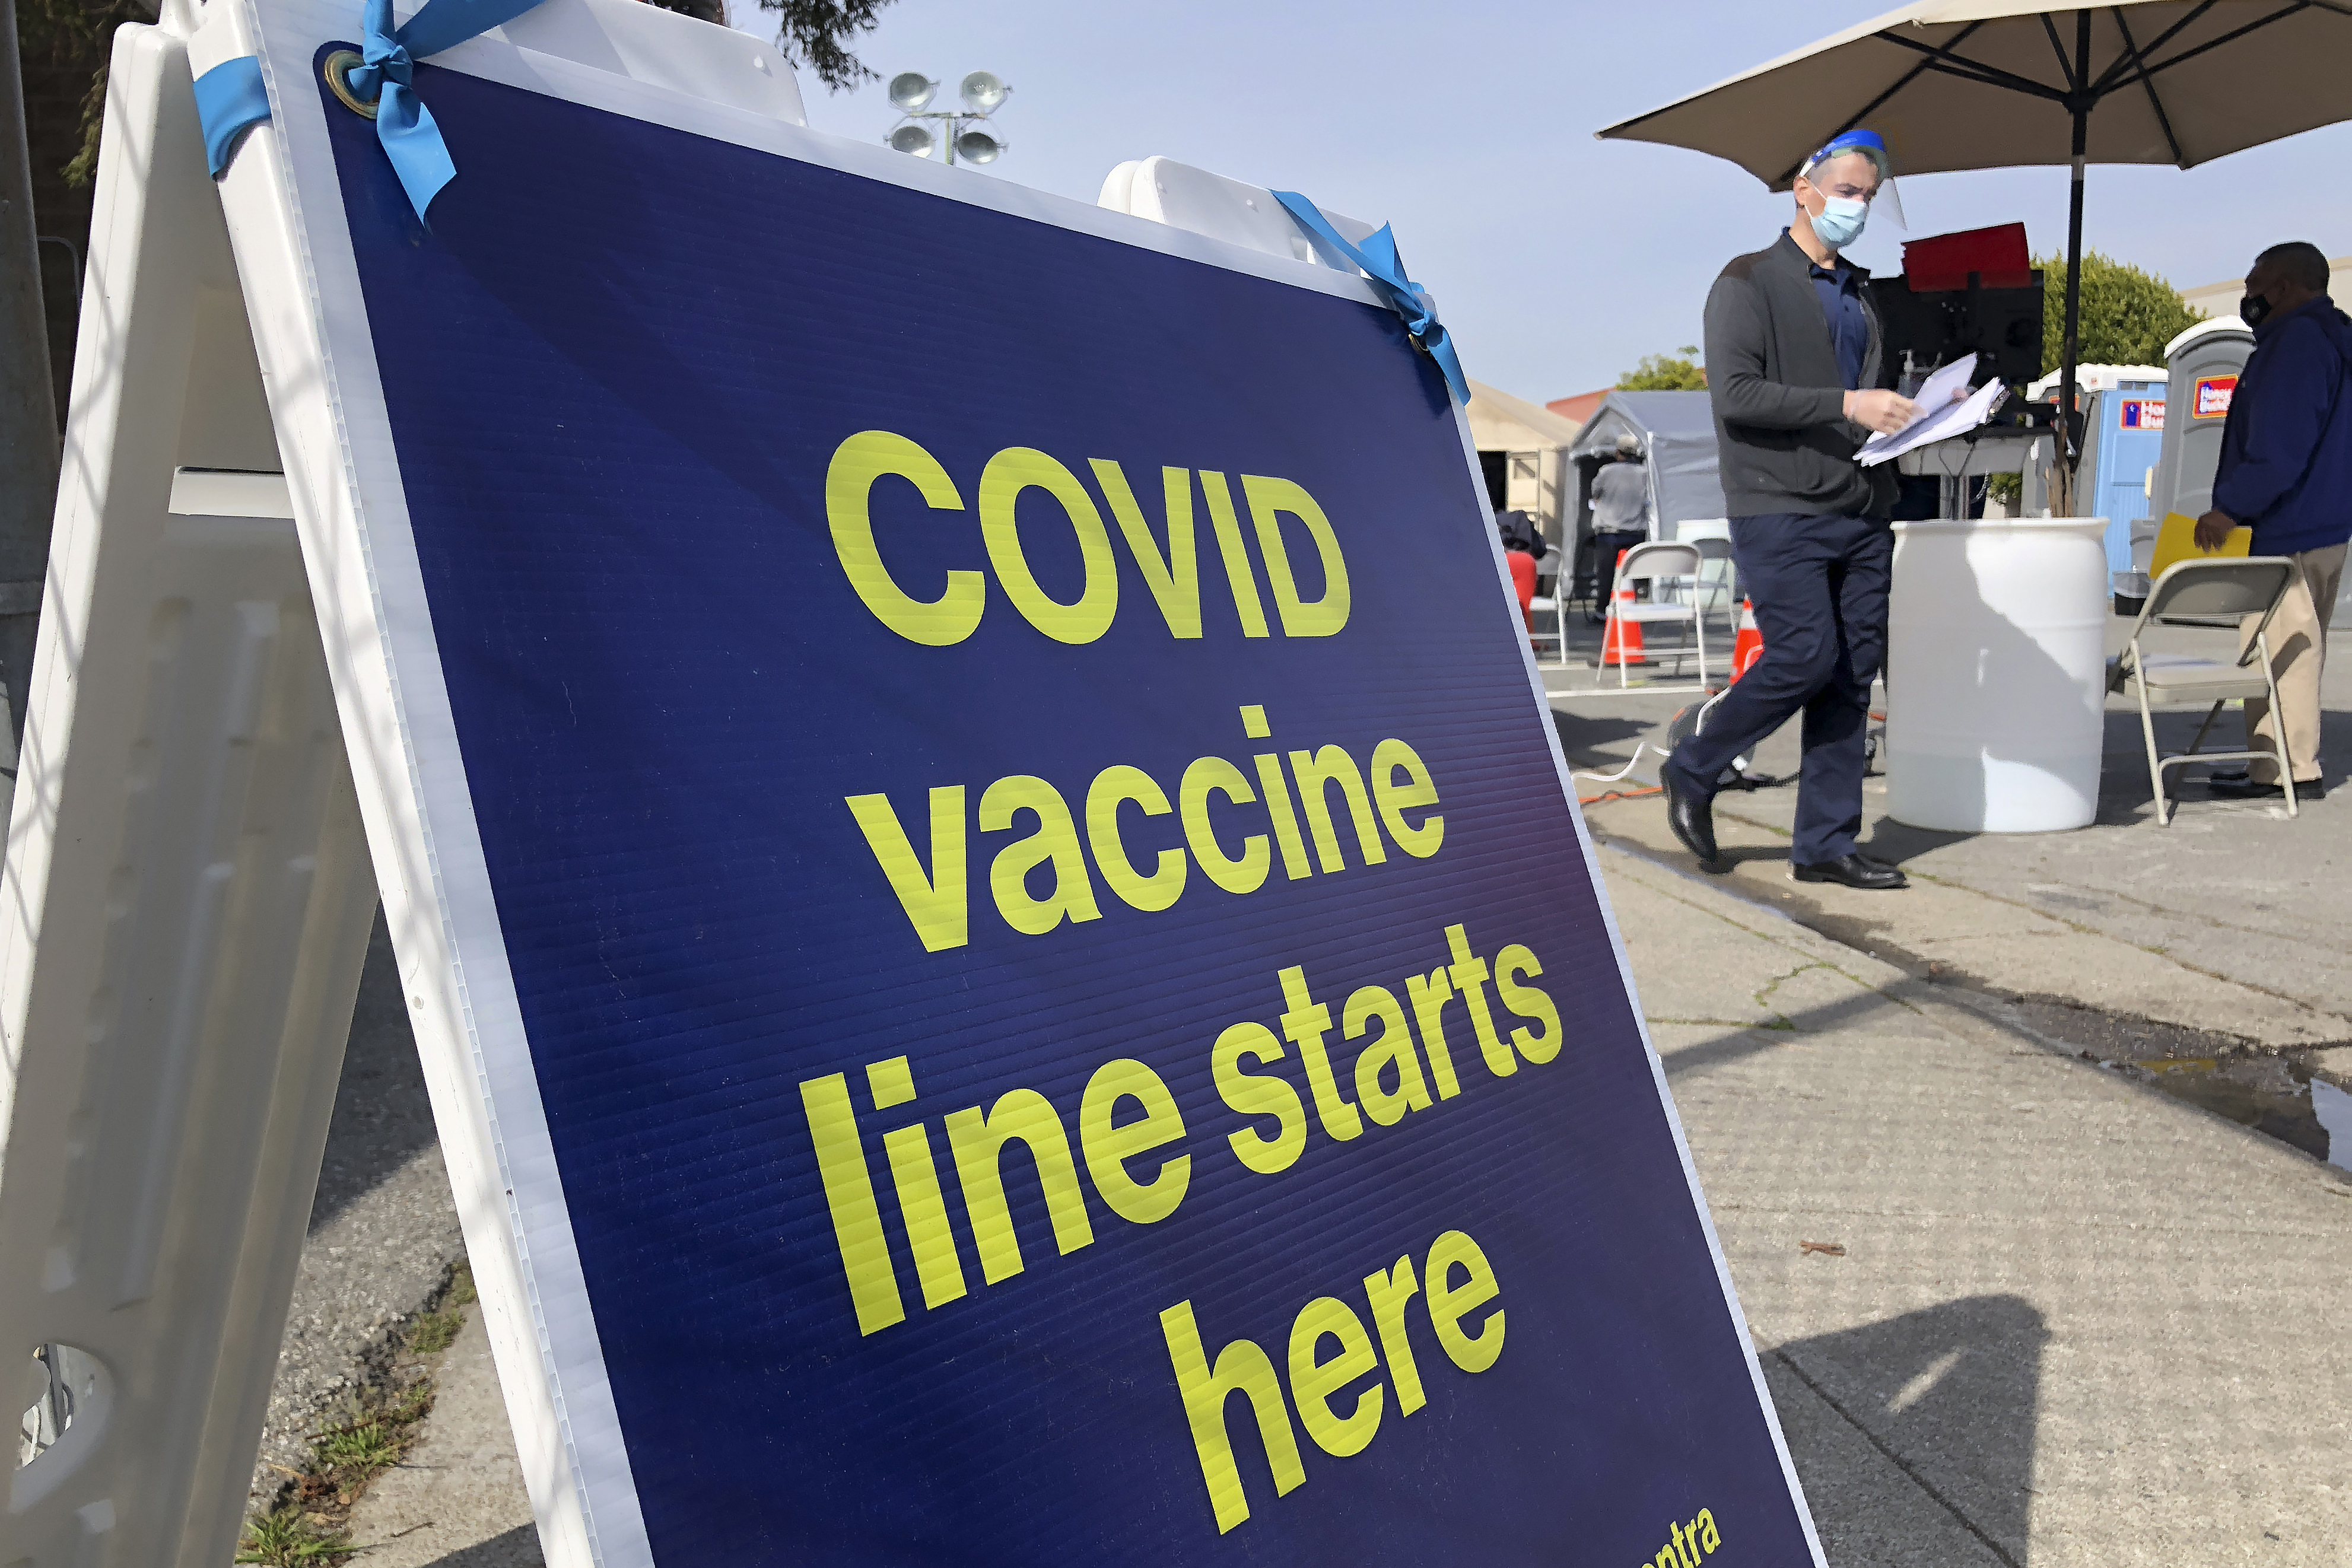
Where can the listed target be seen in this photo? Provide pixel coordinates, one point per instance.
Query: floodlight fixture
(984, 91)
(983, 94)
(912, 90)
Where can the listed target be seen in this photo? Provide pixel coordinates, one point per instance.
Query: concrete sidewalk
(456, 1499)
(2076, 1321)
(2234, 918)
(2214, 956)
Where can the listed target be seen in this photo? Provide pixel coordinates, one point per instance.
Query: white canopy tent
(1676, 432)
(1529, 444)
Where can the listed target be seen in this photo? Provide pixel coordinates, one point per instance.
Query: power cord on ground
(1618, 776)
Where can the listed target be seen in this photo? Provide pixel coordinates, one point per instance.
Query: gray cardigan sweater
(1779, 394)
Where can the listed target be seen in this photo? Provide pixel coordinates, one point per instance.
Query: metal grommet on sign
(339, 66)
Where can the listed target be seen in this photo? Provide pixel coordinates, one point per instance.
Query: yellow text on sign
(1214, 802)
(861, 465)
(1454, 1281)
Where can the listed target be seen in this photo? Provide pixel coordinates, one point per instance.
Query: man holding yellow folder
(2286, 473)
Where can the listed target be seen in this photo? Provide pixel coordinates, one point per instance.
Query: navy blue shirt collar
(1839, 266)
(1839, 287)
(2277, 318)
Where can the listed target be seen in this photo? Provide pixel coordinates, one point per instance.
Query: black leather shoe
(2242, 788)
(1692, 817)
(1853, 871)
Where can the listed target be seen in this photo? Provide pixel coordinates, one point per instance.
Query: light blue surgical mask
(1839, 223)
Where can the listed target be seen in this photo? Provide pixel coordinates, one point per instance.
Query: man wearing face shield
(1796, 370)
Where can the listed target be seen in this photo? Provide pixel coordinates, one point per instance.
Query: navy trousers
(1820, 590)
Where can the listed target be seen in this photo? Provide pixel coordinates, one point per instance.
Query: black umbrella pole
(2070, 353)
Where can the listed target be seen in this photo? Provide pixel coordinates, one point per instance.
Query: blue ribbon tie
(1385, 267)
(230, 101)
(387, 60)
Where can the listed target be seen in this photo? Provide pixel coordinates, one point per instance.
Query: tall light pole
(983, 93)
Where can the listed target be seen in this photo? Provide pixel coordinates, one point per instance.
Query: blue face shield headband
(1840, 222)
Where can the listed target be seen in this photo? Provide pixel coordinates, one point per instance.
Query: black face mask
(2253, 309)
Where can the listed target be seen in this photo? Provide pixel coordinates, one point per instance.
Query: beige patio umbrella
(1978, 84)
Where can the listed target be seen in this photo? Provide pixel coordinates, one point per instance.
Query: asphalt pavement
(383, 1229)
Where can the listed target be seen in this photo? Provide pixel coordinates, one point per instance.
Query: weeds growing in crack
(305, 1524)
(370, 1440)
(288, 1536)
(435, 1332)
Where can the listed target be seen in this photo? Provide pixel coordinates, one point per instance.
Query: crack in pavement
(1911, 1217)
(1635, 849)
(2164, 953)
(1764, 995)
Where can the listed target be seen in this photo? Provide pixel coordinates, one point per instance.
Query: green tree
(73, 36)
(814, 35)
(1678, 371)
(2127, 317)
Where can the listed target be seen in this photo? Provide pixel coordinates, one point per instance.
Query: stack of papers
(1947, 409)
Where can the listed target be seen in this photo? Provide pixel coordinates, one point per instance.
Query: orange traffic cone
(1747, 645)
(1621, 640)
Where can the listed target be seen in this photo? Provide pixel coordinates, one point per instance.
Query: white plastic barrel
(1996, 674)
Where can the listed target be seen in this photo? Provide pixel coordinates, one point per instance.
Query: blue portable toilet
(2123, 438)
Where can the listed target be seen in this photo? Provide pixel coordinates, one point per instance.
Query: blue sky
(1558, 260)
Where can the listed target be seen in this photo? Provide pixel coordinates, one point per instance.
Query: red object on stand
(1998, 255)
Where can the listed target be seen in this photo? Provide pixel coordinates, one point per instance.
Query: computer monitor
(2001, 325)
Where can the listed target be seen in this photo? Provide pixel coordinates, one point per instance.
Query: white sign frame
(281, 197)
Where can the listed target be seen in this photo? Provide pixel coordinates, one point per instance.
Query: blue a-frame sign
(1011, 971)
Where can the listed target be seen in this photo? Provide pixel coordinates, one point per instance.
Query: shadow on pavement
(382, 1115)
(518, 1548)
(1898, 842)
(1740, 855)
(1720, 1051)
(1948, 1394)
(1584, 736)
(2124, 795)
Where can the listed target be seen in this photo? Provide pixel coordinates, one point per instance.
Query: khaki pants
(2298, 640)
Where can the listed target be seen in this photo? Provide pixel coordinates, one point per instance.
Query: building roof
(2221, 299)
(1501, 423)
(1579, 407)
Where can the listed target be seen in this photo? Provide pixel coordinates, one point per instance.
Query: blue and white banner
(1071, 1008)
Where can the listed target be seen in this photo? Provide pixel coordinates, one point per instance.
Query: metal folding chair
(1666, 566)
(1556, 608)
(2213, 596)
(1718, 576)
